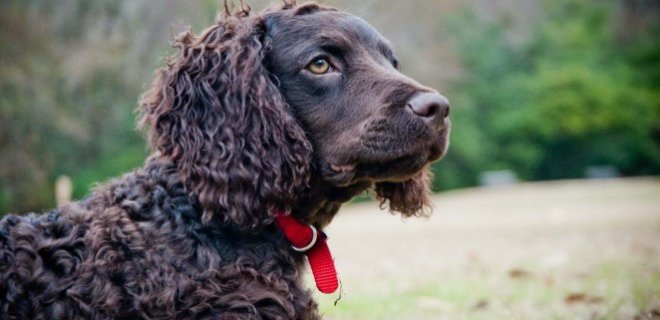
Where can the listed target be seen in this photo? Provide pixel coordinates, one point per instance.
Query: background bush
(570, 95)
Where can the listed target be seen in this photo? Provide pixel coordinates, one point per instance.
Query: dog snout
(431, 107)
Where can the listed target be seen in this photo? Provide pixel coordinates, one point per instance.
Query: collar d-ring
(312, 242)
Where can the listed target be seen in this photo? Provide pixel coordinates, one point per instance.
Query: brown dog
(294, 111)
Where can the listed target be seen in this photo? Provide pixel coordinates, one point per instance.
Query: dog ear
(410, 197)
(215, 112)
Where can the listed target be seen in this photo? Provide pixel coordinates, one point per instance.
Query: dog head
(298, 107)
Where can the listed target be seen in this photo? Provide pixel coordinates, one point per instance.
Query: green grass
(590, 250)
(612, 288)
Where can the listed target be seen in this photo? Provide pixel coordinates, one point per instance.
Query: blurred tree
(567, 98)
(71, 73)
(65, 104)
(26, 66)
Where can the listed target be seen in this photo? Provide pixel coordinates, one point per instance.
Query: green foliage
(71, 76)
(566, 98)
(62, 107)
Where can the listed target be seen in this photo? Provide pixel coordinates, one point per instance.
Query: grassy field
(557, 250)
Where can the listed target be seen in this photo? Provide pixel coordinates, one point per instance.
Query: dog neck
(320, 205)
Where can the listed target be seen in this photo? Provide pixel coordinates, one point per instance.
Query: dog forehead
(326, 25)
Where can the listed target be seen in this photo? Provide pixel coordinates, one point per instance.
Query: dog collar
(306, 239)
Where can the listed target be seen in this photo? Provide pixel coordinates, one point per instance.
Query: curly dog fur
(239, 126)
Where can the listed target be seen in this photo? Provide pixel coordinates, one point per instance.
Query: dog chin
(338, 175)
(390, 170)
(397, 170)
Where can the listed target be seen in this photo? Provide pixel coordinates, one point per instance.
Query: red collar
(306, 239)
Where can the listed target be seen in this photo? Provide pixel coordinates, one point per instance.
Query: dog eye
(319, 66)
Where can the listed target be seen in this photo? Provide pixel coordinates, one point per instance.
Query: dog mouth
(367, 163)
(342, 168)
(393, 170)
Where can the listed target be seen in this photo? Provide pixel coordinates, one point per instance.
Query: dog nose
(432, 107)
